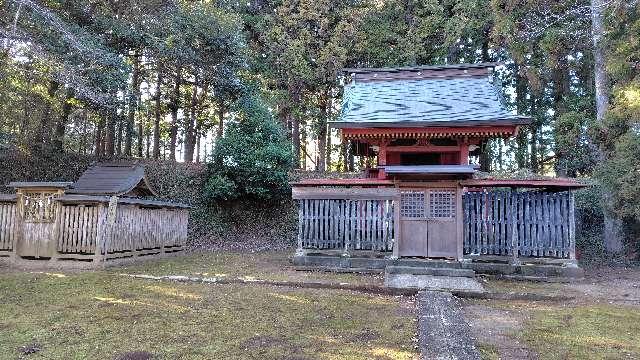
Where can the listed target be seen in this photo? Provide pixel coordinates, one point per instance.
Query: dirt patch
(613, 285)
(29, 349)
(498, 328)
(365, 336)
(135, 355)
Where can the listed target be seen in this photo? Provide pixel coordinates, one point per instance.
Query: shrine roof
(448, 95)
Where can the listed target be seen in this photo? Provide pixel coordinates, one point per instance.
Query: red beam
(428, 132)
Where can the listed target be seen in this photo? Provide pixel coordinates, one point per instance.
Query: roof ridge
(424, 67)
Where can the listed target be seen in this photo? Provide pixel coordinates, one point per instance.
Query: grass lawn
(101, 315)
(596, 331)
(270, 265)
(553, 330)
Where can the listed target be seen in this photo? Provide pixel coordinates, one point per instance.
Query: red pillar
(382, 159)
(464, 153)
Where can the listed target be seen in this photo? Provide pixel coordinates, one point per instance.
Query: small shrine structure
(419, 204)
(101, 219)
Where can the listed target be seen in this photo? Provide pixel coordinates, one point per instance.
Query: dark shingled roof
(113, 179)
(460, 95)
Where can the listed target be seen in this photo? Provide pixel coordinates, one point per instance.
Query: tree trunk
(99, 140)
(485, 156)
(302, 143)
(329, 152)
(110, 136)
(560, 78)
(613, 232)
(119, 138)
(295, 89)
(198, 138)
(220, 111)
(134, 95)
(58, 140)
(521, 107)
(41, 136)
(350, 160)
(533, 156)
(157, 116)
(189, 133)
(322, 132)
(534, 149)
(600, 72)
(174, 106)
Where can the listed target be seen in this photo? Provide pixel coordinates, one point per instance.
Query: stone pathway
(442, 330)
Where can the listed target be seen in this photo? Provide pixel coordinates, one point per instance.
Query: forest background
(247, 88)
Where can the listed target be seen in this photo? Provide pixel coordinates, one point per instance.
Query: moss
(103, 315)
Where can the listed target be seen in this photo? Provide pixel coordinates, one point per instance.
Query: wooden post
(349, 214)
(101, 234)
(572, 227)
(515, 248)
(299, 250)
(396, 227)
(459, 225)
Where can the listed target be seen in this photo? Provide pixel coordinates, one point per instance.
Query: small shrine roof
(448, 95)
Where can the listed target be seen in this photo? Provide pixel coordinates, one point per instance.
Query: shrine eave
(429, 132)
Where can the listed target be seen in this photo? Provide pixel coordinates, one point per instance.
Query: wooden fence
(78, 228)
(346, 224)
(145, 231)
(7, 226)
(531, 224)
(94, 229)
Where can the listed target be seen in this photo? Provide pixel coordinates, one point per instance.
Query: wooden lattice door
(428, 222)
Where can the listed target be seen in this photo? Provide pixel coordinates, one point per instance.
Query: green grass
(488, 351)
(262, 265)
(542, 288)
(586, 330)
(100, 315)
(597, 331)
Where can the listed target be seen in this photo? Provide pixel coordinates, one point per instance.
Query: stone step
(435, 271)
(429, 263)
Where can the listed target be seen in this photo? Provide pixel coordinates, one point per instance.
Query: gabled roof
(447, 95)
(113, 179)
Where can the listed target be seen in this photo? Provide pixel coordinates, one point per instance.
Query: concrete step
(434, 271)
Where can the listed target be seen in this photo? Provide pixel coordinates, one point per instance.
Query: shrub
(253, 158)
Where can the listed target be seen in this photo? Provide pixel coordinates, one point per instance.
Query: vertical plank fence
(7, 225)
(346, 224)
(528, 224)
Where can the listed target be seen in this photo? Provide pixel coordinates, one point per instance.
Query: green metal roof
(436, 101)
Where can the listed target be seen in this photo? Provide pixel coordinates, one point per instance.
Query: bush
(253, 158)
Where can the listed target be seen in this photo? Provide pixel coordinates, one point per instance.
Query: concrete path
(442, 330)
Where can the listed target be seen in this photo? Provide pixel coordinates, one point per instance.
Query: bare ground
(496, 327)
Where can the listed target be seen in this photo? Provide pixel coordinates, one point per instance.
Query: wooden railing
(519, 224)
(7, 225)
(346, 220)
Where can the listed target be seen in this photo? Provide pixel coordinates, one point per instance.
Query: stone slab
(443, 333)
(408, 281)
